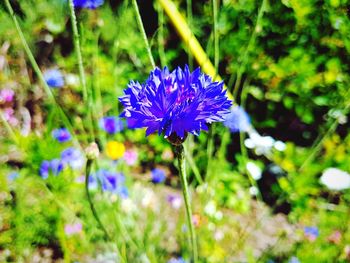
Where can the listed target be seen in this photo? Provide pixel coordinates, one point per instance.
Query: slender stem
(143, 32)
(9, 128)
(249, 47)
(216, 37)
(210, 150)
(186, 195)
(193, 165)
(189, 22)
(161, 51)
(38, 72)
(78, 49)
(92, 207)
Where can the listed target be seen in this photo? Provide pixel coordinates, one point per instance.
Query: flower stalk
(186, 195)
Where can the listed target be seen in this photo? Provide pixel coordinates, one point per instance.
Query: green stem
(249, 47)
(143, 32)
(161, 50)
(92, 207)
(193, 165)
(9, 128)
(186, 195)
(37, 71)
(77, 47)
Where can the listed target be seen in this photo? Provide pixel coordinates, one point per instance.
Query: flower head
(311, 232)
(71, 229)
(237, 120)
(115, 150)
(54, 166)
(54, 78)
(111, 124)
(61, 134)
(175, 103)
(112, 182)
(158, 176)
(335, 179)
(73, 157)
(6, 95)
(130, 156)
(91, 4)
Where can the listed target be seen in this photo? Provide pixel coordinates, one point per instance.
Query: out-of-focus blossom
(111, 124)
(175, 103)
(210, 208)
(158, 176)
(61, 134)
(237, 120)
(128, 205)
(335, 179)
(9, 115)
(130, 156)
(73, 157)
(92, 152)
(115, 150)
(196, 220)
(54, 166)
(174, 200)
(335, 237)
(71, 229)
(91, 4)
(12, 176)
(72, 80)
(263, 145)
(54, 78)
(167, 155)
(219, 235)
(112, 182)
(176, 260)
(311, 233)
(6, 95)
(149, 199)
(294, 259)
(253, 190)
(254, 170)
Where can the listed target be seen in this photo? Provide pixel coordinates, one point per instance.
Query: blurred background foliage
(289, 69)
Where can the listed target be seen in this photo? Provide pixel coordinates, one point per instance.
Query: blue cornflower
(175, 103)
(54, 166)
(176, 260)
(12, 176)
(61, 134)
(158, 176)
(91, 4)
(111, 124)
(54, 78)
(237, 120)
(311, 232)
(112, 182)
(73, 157)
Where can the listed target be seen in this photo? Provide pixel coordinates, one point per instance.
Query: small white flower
(210, 208)
(279, 146)
(335, 179)
(253, 191)
(219, 235)
(261, 144)
(254, 170)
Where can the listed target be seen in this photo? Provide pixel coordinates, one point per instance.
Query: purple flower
(54, 166)
(111, 124)
(175, 103)
(311, 232)
(237, 120)
(73, 157)
(61, 134)
(6, 95)
(54, 78)
(12, 176)
(91, 4)
(71, 229)
(158, 176)
(176, 260)
(112, 182)
(130, 157)
(174, 200)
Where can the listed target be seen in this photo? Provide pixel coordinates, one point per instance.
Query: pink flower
(9, 116)
(71, 229)
(6, 95)
(130, 156)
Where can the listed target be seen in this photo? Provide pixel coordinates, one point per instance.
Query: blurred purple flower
(175, 103)
(61, 134)
(12, 176)
(54, 166)
(174, 200)
(158, 176)
(237, 120)
(54, 78)
(9, 115)
(6, 95)
(112, 182)
(91, 4)
(73, 157)
(71, 229)
(130, 156)
(111, 124)
(176, 260)
(311, 232)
